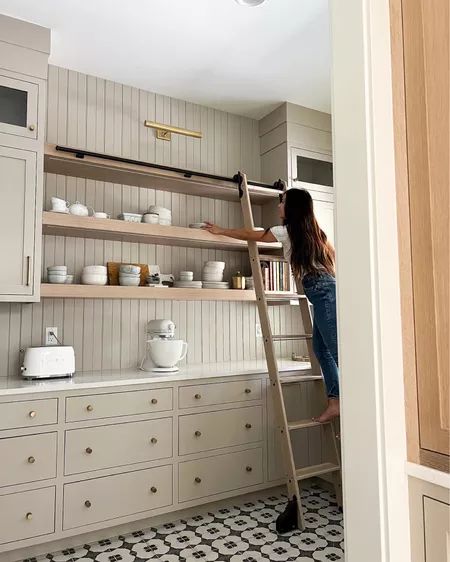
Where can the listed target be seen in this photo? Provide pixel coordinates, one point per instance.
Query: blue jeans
(321, 292)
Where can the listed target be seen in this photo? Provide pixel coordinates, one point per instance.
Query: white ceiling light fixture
(250, 3)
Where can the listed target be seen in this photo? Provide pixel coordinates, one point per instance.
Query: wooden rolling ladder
(293, 513)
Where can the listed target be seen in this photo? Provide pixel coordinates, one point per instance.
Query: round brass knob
(197, 433)
(32, 414)
(248, 425)
(197, 480)
(88, 450)
(154, 401)
(29, 516)
(87, 503)
(248, 390)
(197, 396)
(89, 407)
(153, 490)
(32, 127)
(248, 468)
(31, 460)
(153, 440)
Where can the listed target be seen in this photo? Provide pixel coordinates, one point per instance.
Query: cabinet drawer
(29, 413)
(28, 458)
(107, 446)
(93, 407)
(219, 393)
(215, 430)
(27, 514)
(116, 496)
(215, 475)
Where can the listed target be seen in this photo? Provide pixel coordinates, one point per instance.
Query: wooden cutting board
(113, 272)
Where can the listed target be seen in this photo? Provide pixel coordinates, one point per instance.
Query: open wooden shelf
(60, 224)
(62, 291)
(114, 171)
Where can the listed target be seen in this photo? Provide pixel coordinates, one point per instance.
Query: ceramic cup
(167, 353)
(59, 205)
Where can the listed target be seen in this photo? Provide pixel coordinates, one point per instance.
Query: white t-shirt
(281, 234)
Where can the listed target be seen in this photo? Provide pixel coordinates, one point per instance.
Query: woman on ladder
(312, 258)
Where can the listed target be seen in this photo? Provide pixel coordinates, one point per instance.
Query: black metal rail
(79, 153)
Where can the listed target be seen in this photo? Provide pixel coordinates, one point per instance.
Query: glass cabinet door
(312, 170)
(18, 107)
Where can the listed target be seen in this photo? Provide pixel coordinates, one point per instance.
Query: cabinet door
(324, 211)
(426, 56)
(312, 170)
(18, 107)
(437, 530)
(17, 202)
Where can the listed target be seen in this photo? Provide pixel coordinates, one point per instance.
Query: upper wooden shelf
(112, 169)
(116, 292)
(60, 224)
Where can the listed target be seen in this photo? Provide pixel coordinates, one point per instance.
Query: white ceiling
(212, 52)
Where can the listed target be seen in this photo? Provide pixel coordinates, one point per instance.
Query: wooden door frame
(374, 449)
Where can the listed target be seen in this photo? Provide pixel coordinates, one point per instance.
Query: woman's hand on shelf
(213, 228)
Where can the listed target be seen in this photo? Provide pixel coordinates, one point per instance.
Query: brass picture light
(164, 132)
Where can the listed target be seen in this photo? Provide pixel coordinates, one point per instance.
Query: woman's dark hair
(310, 250)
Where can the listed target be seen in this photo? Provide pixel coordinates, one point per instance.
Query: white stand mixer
(163, 350)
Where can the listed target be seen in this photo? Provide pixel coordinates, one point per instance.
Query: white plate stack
(164, 215)
(57, 274)
(212, 275)
(129, 275)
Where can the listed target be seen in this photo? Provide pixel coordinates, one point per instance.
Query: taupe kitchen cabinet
(24, 52)
(17, 230)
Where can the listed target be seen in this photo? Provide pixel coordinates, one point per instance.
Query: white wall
(91, 113)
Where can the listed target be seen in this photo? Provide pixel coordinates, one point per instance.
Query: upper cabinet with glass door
(18, 107)
(312, 170)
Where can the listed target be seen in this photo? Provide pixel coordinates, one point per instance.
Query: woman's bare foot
(331, 412)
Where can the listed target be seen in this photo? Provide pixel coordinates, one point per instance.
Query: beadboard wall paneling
(91, 113)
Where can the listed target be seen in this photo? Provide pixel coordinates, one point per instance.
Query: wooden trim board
(65, 163)
(59, 224)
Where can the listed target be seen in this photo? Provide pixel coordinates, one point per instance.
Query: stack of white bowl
(129, 275)
(57, 274)
(94, 275)
(186, 281)
(212, 275)
(164, 215)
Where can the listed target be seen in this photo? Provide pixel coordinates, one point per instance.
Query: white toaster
(48, 362)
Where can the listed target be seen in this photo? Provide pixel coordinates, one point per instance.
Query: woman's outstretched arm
(241, 233)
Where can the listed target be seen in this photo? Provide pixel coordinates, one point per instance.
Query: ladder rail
(272, 365)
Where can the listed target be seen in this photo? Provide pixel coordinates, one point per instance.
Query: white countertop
(108, 378)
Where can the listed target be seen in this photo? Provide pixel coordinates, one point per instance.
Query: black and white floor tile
(243, 533)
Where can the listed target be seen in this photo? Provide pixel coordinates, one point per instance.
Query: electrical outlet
(258, 331)
(50, 336)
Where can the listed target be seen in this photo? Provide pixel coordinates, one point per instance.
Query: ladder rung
(291, 337)
(303, 424)
(294, 379)
(316, 470)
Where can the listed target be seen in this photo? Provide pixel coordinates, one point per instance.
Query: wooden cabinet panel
(18, 107)
(97, 406)
(216, 430)
(223, 473)
(437, 530)
(102, 499)
(28, 413)
(28, 458)
(426, 58)
(17, 201)
(27, 514)
(94, 448)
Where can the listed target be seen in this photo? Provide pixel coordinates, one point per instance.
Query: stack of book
(277, 276)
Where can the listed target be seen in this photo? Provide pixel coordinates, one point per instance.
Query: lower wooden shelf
(62, 291)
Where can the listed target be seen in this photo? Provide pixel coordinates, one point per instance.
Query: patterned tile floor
(243, 533)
